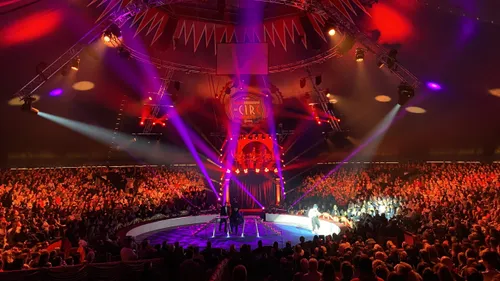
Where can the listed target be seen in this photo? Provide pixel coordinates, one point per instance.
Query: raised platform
(197, 230)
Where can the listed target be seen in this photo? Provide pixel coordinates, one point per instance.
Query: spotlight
(331, 32)
(391, 58)
(405, 93)
(266, 170)
(257, 170)
(163, 124)
(328, 94)
(106, 38)
(245, 171)
(154, 123)
(318, 80)
(263, 208)
(27, 106)
(228, 171)
(113, 30)
(237, 171)
(275, 170)
(75, 64)
(302, 82)
(150, 98)
(360, 54)
(142, 123)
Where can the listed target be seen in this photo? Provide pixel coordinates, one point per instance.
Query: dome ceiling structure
(460, 119)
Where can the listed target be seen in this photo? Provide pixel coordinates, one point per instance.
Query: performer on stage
(224, 212)
(313, 214)
(236, 218)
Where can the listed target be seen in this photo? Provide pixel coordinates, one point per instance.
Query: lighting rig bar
(165, 82)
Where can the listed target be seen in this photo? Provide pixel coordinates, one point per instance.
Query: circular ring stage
(197, 230)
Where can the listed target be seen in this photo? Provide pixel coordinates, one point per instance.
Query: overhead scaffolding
(165, 82)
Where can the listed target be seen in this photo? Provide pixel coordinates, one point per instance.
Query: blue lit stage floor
(184, 235)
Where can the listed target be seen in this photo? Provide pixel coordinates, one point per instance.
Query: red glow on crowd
(31, 27)
(393, 26)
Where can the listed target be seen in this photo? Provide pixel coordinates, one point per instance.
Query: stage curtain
(261, 186)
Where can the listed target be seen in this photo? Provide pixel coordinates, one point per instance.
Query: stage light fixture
(391, 58)
(302, 82)
(257, 170)
(328, 94)
(154, 123)
(275, 170)
(237, 171)
(318, 79)
(405, 93)
(163, 124)
(266, 170)
(360, 54)
(228, 171)
(142, 123)
(27, 105)
(331, 32)
(75, 64)
(150, 98)
(245, 171)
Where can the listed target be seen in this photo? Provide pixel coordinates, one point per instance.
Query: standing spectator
(313, 274)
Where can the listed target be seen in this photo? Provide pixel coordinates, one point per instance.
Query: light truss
(326, 8)
(323, 102)
(165, 82)
(92, 35)
(118, 17)
(343, 24)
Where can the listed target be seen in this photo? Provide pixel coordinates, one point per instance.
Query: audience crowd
(86, 207)
(452, 211)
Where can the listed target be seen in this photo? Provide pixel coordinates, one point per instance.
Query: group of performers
(235, 217)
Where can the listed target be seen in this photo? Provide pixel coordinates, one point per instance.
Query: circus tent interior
(125, 81)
